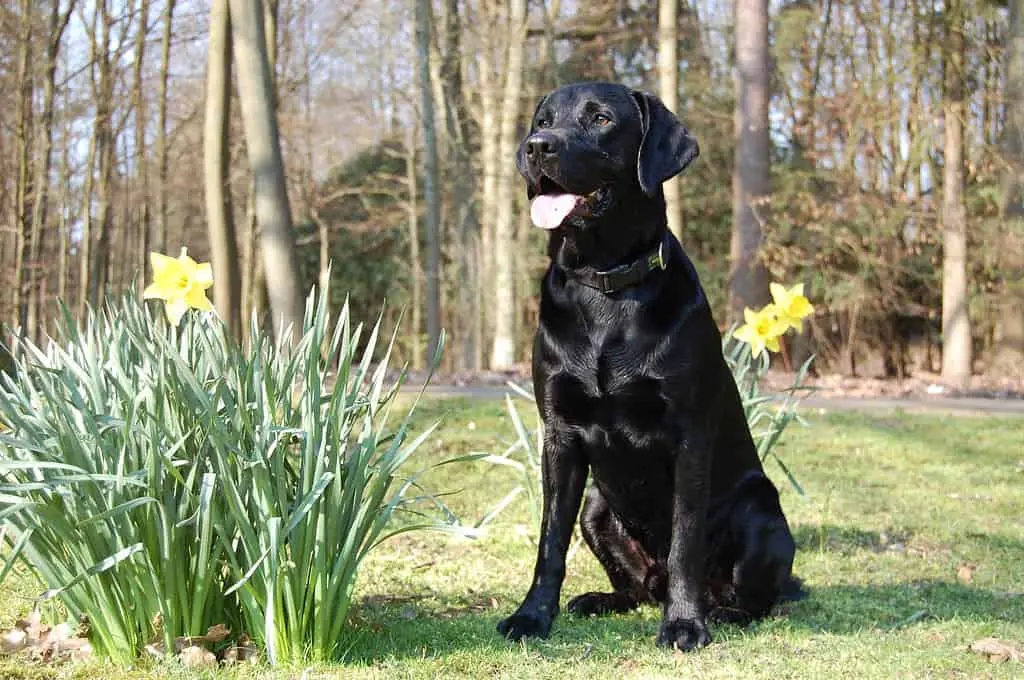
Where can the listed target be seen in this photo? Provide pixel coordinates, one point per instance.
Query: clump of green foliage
(163, 480)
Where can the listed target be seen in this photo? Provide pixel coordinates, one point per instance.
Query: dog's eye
(602, 120)
(543, 123)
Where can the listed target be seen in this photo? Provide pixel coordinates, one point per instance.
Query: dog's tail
(792, 590)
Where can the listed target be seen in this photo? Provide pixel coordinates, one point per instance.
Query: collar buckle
(657, 260)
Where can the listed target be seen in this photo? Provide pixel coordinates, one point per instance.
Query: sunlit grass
(896, 504)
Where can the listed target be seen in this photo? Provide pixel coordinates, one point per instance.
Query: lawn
(911, 544)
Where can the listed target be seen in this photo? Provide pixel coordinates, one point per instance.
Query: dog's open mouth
(553, 204)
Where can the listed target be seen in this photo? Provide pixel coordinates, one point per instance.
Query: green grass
(897, 503)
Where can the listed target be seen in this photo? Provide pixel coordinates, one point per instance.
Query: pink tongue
(550, 210)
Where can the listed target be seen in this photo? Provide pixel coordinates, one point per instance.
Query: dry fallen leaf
(996, 650)
(195, 656)
(181, 642)
(244, 651)
(78, 648)
(32, 626)
(965, 573)
(217, 633)
(13, 641)
(43, 642)
(155, 650)
(59, 633)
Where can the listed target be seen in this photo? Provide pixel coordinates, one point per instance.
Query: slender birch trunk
(220, 223)
(503, 354)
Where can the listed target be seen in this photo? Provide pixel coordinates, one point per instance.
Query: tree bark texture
(1008, 353)
(141, 152)
(161, 128)
(748, 278)
(956, 325)
(503, 347)
(463, 187)
(220, 223)
(431, 195)
(263, 144)
(668, 90)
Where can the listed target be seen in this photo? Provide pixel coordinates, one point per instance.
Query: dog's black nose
(541, 145)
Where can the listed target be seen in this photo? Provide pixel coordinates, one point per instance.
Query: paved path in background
(953, 405)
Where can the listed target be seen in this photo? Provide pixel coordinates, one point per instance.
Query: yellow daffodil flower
(791, 305)
(181, 283)
(761, 330)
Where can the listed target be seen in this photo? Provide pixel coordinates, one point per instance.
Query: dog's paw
(683, 634)
(525, 624)
(733, 615)
(599, 604)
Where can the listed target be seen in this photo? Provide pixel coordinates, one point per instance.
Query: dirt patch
(922, 385)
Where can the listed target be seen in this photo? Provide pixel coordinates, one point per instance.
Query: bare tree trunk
(748, 279)
(254, 299)
(105, 154)
(220, 224)
(55, 31)
(254, 280)
(489, 122)
(58, 22)
(435, 61)
(161, 130)
(464, 186)
(549, 60)
(85, 245)
(63, 237)
(1008, 353)
(414, 248)
(270, 13)
(141, 155)
(956, 325)
(668, 90)
(309, 194)
(503, 349)
(430, 176)
(277, 238)
(19, 219)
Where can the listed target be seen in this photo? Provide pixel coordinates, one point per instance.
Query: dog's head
(597, 149)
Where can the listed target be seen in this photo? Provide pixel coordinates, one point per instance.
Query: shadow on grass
(403, 630)
(839, 539)
(849, 609)
(428, 627)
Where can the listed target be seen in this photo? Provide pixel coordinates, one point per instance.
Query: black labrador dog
(631, 384)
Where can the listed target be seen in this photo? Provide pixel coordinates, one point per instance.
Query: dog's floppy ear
(521, 151)
(667, 146)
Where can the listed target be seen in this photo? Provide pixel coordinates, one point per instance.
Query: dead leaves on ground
(194, 651)
(51, 644)
(997, 650)
(46, 643)
(965, 573)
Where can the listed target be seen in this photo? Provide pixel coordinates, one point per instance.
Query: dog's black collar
(625, 275)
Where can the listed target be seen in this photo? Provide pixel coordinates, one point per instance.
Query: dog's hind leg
(763, 551)
(630, 569)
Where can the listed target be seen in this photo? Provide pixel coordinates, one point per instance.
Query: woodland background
(871, 149)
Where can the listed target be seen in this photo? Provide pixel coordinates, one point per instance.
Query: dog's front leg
(564, 474)
(683, 623)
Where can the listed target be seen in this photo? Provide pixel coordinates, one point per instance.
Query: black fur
(633, 389)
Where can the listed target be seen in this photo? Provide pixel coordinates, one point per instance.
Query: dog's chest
(607, 386)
